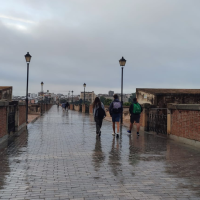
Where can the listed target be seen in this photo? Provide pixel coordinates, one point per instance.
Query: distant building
(110, 93)
(125, 98)
(104, 95)
(89, 96)
(33, 95)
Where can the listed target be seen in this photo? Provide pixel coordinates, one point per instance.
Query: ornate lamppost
(84, 85)
(28, 60)
(69, 95)
(42, 101)
(122, 63)
(42, 88)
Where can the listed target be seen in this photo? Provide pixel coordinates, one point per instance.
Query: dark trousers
(98, 124)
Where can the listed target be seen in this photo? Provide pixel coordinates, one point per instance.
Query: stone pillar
(145, 116)
(169, 120)
(71, 106)
(83, 108)
(91, 110)
(17, 117)
(76, 107)
(3, 120)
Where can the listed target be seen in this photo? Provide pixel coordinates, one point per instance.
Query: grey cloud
(74, 42)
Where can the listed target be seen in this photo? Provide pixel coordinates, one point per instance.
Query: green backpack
(136, 108)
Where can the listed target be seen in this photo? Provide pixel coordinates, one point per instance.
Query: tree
(132, 97)
(127, 104)
(108, 102)
(102, 99)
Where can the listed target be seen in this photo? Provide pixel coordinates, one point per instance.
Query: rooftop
(5, 87)
(168, 91)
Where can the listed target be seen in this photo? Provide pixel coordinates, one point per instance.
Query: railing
(87, 107)
(157, 120)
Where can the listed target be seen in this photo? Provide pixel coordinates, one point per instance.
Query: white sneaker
(113, 134)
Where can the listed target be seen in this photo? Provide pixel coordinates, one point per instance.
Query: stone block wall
(71, 107)
(3, 121)
(22, 114)
(91, 110)
(34, 109)
(186, 124)
(83, 108)
(76, 107)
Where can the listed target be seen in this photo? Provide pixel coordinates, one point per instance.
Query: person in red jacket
(135, 111)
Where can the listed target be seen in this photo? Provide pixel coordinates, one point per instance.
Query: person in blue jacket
(115, 111)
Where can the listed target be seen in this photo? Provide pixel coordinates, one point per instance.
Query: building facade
(161, 97)
(89, 96)
(110, 93)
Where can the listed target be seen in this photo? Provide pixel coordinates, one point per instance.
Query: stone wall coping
(21, 103)
(34, 105)
(183, 106)
(4, 103)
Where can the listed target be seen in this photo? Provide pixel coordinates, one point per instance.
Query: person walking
(66, 105)
(135, 111)
(99, 113)
(115, 111)
(63, 106)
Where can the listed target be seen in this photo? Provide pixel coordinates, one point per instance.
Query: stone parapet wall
(22, 114)
(37, 109)
(186, 124)
(34, 109)
(71, 107)
(83, 108)
(3, 121)
(184, 121)
(76, 107)
(91, 110)
(19, 108)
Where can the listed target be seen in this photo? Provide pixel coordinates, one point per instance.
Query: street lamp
(84, 85)
(122, 63)
(42, 101)
(42, 88)
(28, 60)
(69, 95)
(72, 96)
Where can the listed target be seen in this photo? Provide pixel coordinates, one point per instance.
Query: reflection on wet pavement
(60, 157)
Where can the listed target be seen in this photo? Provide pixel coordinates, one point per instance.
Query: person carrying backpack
(115, 111)
(66, 106)
(63, 106)
(99, 113)
(135, 111)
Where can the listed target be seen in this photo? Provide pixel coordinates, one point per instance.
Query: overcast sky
(81, 41)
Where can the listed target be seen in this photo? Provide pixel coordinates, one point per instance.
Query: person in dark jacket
(135, 110)
(97, 105)
(66, 106)
(115, 110)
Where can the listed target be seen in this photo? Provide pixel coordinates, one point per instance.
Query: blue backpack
(116, 107)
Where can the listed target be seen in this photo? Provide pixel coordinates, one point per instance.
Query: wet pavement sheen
(60, 157)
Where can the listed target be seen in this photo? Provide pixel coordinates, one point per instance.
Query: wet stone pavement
(59, 157)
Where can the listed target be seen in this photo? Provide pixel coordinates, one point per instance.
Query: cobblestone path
(59, 157)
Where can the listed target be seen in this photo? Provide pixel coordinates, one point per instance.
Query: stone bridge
(60, 157)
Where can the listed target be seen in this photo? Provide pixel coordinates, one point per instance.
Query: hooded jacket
(96, 107)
